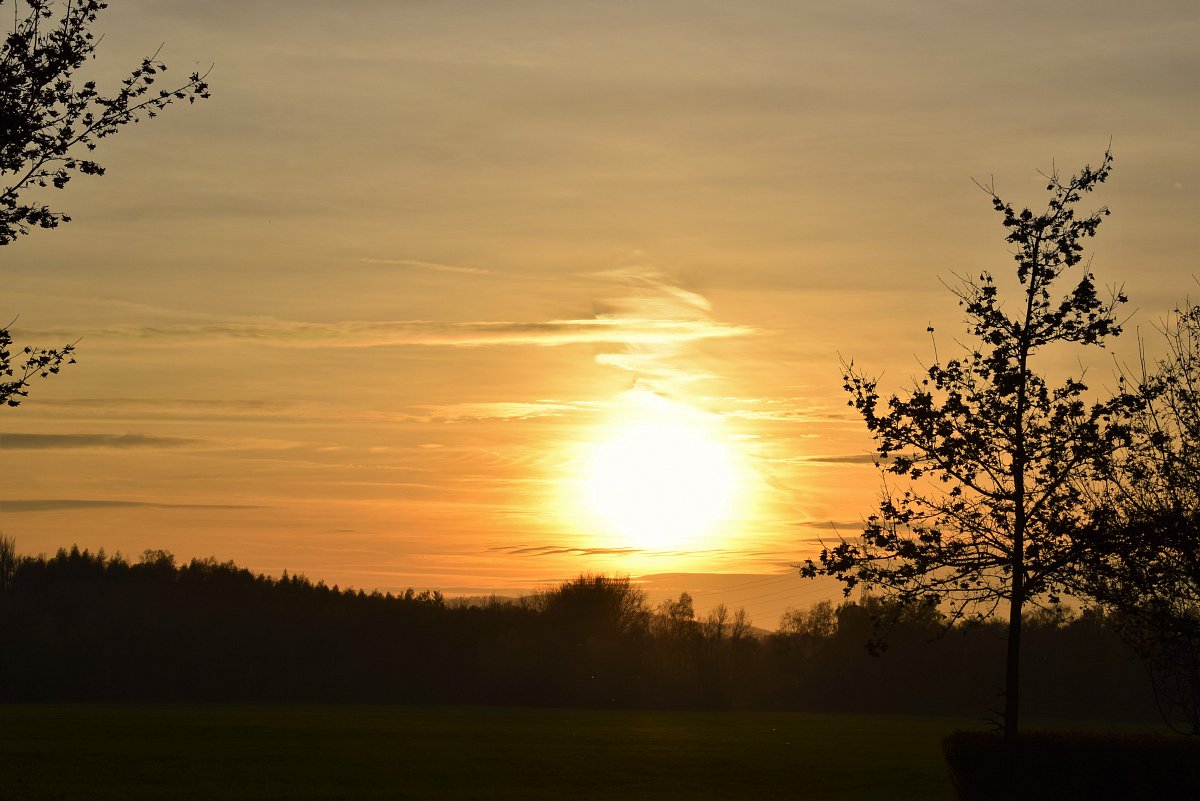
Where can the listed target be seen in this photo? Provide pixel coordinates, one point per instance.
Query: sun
(661, 477)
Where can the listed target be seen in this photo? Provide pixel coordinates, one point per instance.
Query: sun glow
(662, 477)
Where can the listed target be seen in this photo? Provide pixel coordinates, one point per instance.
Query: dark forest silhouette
(82, 626)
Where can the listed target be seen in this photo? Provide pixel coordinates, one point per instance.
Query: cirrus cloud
(32, 442)
(603, 329)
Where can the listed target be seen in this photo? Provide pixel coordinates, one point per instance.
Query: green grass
(371, 752)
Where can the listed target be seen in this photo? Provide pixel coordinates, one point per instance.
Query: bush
(1072, 765)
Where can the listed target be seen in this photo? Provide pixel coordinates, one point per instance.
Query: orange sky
(363, 313)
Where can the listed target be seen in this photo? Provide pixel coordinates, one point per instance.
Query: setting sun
(661, 478)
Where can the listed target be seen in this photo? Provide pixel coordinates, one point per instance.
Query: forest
(87, 627)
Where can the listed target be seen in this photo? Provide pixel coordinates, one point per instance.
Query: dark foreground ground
(370, 752)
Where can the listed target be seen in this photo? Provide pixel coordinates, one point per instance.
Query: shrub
(1072, 765)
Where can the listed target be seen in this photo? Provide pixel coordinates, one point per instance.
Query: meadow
(388, 752)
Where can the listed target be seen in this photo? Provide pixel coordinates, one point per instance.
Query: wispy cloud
(130, 412)
(200, 409)
(427, 265)
(784, 410)
(848, 458)
(831, 525)
(61, 504)
(507, 410)
(70, 441)
(144, 405)
(604, 329)
(650, 297)
(558, 550)
(778, 415)
(568, 550)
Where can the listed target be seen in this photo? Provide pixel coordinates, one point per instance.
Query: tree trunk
(1012, 673)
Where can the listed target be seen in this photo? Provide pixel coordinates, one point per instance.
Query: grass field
(370, 752)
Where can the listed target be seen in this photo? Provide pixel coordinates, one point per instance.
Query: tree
(1151, 579)
(676, 619)
(594, 602)
(8, 561)
(818, 622)
(988, 456)
(715, 624)
(50, 123)
(740, 628)
(15, 374)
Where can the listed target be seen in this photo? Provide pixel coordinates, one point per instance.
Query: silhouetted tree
(50, 122)
(596, 602)
(987, 453)
(818, 622)
(740, 628)
(676, 619)
(16, 372)
(8, 561)
(715, 625)
(591, 627)
(1152, 578)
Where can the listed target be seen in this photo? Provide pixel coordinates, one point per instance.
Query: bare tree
(715, 624)
(739, 629)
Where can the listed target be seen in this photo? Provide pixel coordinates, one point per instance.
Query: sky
(376, 310)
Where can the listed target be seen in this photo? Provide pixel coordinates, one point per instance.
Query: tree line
(82, 626)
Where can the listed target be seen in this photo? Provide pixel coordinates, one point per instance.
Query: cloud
(193, 409)
(649, 297)
(64, 441)
(848, 458)
(771, 415)
(144, 405)
(61, 504)
(841, 458)
(603, 329)
(507, 410)
(568, 550)
(785, 410)
(428, 265)
(139, 410)
(558, 550)
(653, 289)
(832, 525)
